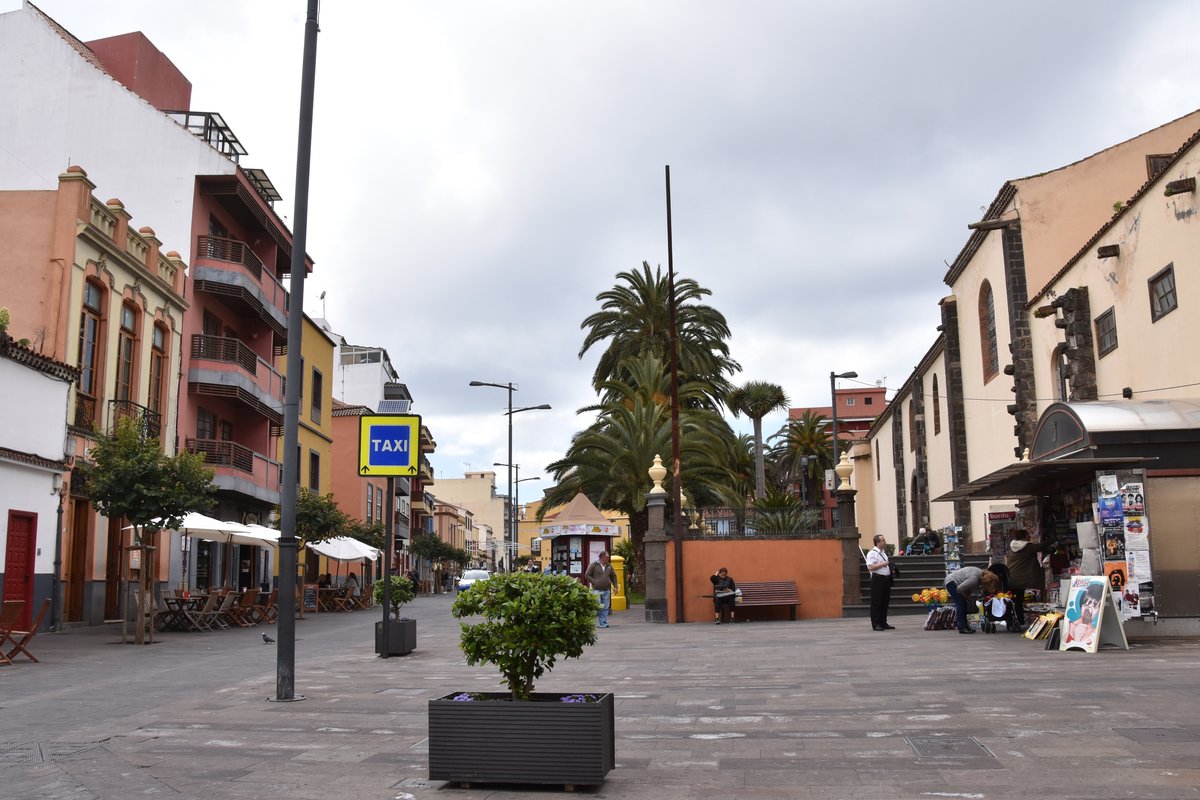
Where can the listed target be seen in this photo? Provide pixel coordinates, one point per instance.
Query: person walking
(963, 584)
(881, 584)
(1025, 570)
(601, 576)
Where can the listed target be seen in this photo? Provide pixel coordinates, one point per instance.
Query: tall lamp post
(833, 376)
(515, 504)
(508, 520)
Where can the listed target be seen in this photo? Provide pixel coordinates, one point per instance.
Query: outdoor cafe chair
(10, 618)
(22, 646)
(204, 617)
(229, 601)
(240, 612)
(265, 612)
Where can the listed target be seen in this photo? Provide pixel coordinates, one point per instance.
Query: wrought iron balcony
(149, 423)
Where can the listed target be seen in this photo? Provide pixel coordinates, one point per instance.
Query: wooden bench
(769, 593)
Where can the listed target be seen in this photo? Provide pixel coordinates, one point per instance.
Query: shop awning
(1037, 478)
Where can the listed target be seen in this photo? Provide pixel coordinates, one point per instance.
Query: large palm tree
(756, 399)
(802, 453)
(634, 320)
(608, 461)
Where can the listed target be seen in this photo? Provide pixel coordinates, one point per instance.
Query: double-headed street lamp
(515, 503)
(509, 531)
(833, 376)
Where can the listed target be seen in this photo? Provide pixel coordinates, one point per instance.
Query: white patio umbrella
(345, 548)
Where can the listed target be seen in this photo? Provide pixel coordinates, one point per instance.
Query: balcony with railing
(239, 469)
(147, 422)
(229, 269)
(85, 413)
(222, 366)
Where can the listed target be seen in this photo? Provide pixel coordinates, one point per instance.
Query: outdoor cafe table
(179, 606)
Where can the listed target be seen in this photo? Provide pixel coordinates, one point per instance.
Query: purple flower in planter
(465, 697)
(578, 698)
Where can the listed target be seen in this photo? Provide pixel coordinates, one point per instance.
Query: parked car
(470, 576)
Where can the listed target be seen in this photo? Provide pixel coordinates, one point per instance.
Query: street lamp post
(508, 519)
(804, 482)
(833, 376)
(515, 503)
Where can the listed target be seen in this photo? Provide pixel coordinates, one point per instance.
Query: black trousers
(881, 598)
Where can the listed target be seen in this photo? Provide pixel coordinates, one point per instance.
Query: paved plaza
(808, 709)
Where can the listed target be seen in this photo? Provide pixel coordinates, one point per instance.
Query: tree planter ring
(542, 741)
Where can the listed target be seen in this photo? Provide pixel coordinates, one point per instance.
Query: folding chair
(26, 637)
(10, 618)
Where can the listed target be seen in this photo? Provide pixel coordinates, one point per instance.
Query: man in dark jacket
(1025, 570)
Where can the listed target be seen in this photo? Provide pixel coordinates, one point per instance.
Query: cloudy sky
(481, 170)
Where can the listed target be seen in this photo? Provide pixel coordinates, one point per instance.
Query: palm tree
(635, 320)
(803, 454)
(608, 461)
(756, 399)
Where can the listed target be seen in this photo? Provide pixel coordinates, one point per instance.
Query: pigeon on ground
(268, 639)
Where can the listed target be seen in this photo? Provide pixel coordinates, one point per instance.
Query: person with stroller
(1025, 570)
(963, 584)
(724, 595)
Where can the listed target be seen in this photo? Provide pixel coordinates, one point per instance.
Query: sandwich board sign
(1091, 617)
(389, 445)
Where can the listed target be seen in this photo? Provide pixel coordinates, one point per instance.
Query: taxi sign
(389, 445)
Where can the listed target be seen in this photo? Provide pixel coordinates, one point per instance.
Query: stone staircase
(916, 573)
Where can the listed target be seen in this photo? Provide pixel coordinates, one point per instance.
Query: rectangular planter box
(544, 740)
(402, 637)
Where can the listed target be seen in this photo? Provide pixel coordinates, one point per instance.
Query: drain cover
(947, 746)
(39, 752)
(418, 783)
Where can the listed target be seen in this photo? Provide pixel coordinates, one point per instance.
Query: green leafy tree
(757, 399)
(318, 517)
(130, 478)
(634, 320)
(400, 592)
(529, 621)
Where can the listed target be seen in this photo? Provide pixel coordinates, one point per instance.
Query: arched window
(937, 408)
(987, 333)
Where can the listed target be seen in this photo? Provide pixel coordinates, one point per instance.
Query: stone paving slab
(803, 710)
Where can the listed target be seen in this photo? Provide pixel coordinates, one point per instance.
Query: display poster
(1091, 617)
(595, 548)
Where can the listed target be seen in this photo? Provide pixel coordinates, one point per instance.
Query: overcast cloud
(481, 170)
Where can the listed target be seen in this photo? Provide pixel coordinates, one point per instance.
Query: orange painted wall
(815, 565)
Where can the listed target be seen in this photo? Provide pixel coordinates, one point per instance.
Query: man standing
(881, 584)
(600, 576)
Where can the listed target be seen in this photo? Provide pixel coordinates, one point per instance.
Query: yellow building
(315, 434)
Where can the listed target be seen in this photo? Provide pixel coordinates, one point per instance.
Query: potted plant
(522, 736)
(402, 631)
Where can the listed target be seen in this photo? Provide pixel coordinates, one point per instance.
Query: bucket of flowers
(940, 617)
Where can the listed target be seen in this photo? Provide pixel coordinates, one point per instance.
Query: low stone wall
(813, 560)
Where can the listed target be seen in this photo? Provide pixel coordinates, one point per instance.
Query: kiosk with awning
(576, 535)
(1140, 462)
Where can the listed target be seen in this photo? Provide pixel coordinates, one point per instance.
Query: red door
(18, 560)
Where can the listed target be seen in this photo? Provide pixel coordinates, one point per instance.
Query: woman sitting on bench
(724, 595)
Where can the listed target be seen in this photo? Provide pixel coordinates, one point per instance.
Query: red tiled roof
(8, 454)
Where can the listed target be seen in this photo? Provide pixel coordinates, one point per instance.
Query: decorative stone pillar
(655, 546)
(848, 533)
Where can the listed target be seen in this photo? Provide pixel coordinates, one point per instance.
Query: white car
(470, 576)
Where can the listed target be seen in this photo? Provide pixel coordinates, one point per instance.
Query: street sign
(389, 445)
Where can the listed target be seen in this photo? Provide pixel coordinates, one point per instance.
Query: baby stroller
(999, 609)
